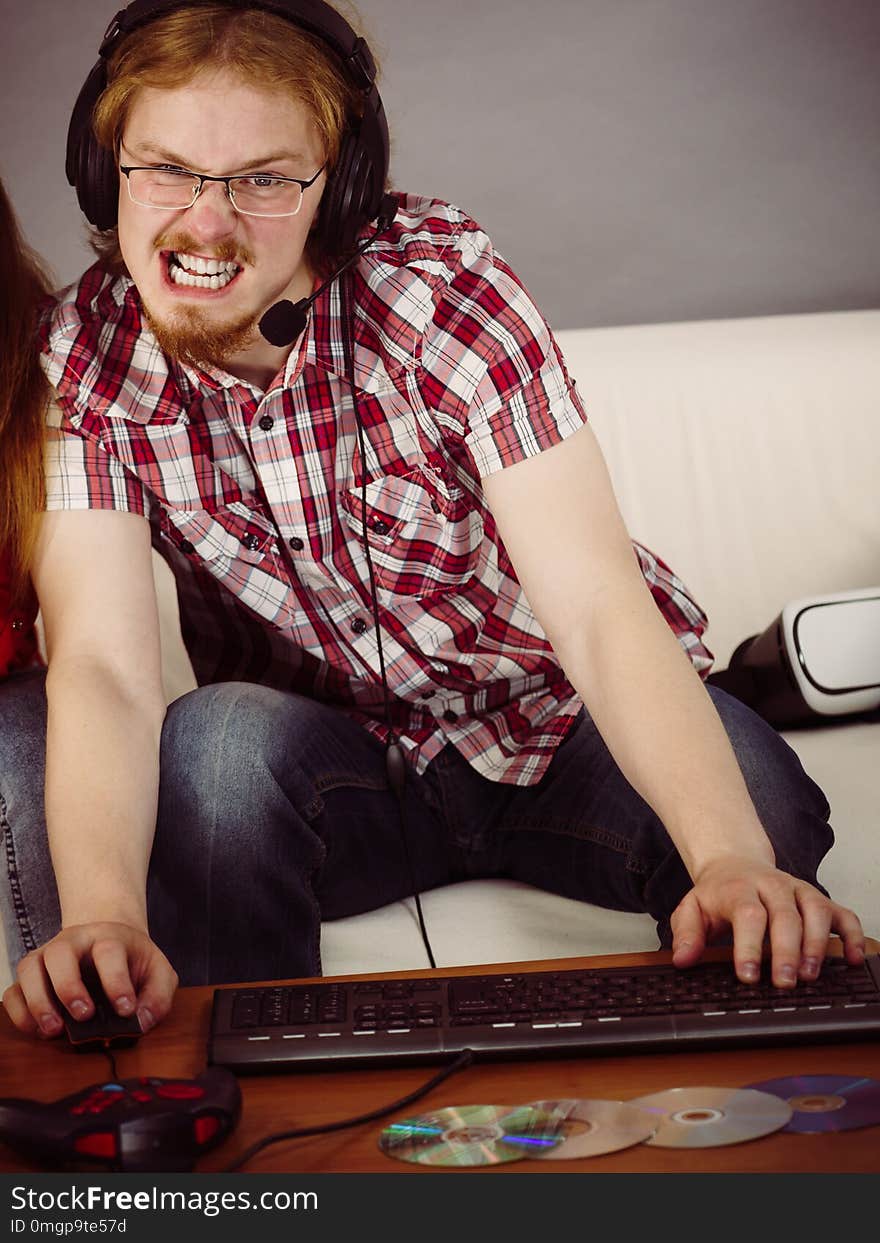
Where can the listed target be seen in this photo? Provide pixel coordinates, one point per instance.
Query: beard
(191, 338)
(189, 334)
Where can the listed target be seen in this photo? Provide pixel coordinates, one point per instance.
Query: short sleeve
(494, 374)
(81, 474)
(526, 402)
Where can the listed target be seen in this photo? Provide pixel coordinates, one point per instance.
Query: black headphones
(355, 187)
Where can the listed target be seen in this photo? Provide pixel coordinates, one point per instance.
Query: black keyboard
(536, 1014)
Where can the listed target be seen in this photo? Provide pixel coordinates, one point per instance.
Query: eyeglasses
(176, 189)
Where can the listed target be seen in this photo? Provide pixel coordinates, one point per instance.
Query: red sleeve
(18, 639)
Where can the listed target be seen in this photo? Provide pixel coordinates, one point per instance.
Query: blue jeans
(274, 813)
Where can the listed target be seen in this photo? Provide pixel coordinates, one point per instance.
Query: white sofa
(747, 454)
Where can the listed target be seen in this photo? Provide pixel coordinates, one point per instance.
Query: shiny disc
(827, 1102)
(590, 1127)
(712, 1117)
(471, 1135)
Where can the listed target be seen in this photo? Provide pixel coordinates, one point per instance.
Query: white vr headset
(819, 659)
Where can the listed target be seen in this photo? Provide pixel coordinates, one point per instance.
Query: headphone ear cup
(98, 191)
(332, 215)
(350, 198)
(89, 167)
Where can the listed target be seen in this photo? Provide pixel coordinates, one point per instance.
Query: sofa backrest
(744, 452)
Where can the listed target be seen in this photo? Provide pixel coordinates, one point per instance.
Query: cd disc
(471, 1135)
(711, 1117)
(827, 1102)
(590, 1128)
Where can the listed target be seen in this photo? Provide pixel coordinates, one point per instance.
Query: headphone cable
(395, 763)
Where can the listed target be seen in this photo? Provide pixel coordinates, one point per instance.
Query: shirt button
(296, 543)
(18, 624)
(359, 625)
(251, 542)
(267, 422)
(450, 716)
(380, 527)
(186, 547)
(428, 694)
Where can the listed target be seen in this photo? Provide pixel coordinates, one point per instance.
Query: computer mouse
(105, 1029)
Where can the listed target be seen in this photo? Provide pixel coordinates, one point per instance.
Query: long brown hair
(24, 394)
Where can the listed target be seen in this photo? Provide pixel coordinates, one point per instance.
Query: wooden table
(46, 1071)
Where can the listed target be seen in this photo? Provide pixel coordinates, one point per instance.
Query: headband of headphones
(355, 187)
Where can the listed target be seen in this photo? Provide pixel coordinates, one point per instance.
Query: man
(393, 527)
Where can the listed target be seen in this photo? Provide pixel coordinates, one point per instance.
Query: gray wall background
(635, 160)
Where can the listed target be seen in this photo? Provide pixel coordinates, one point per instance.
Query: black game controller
(130, 1125)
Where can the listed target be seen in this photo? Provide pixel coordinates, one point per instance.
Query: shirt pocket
(221, 538)
(424, 538)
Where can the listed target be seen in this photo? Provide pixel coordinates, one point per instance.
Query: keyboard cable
(464, 1059)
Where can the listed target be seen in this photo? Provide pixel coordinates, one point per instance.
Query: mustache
(184, 243)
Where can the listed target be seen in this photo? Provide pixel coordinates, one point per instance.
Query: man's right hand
(135, 974)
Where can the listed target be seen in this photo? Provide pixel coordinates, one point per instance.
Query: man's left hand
(758, 901)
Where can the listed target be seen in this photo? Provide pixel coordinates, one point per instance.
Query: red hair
(24, 393)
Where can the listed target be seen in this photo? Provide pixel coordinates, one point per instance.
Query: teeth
(203, 267)
(199, 273)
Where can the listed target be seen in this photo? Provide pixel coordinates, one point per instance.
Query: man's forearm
(102, 781)
(662, 729)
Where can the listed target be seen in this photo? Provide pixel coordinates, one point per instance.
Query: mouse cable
(464, 1059)
(109, 1053)
(394, 758)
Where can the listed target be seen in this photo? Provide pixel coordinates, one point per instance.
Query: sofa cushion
(479, 921)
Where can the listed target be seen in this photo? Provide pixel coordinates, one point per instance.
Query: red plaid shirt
(255, 498)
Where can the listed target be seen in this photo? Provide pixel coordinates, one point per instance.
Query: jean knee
(28, 897)
(228, 783)
(219, 735)
(22, 726)
(793, 809)
(229, 885)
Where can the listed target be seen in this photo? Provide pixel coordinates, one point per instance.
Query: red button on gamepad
(180, 1091)
(206, 1128)
(98, 1144)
